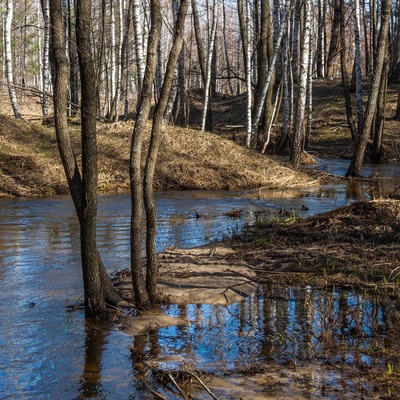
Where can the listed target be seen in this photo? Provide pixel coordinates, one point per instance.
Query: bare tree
(45, 61)
(140, 60)
(208, 66)
(9, 59)
(135, 172)
(371, 108)
(98, 288)
(298, 134)
(156, 134)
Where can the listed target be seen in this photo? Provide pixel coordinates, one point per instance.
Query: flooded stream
(307, 337)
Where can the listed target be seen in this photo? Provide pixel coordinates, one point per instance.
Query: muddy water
(46, 352)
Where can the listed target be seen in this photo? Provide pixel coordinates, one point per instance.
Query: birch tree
(45, 61)
(208, 65)
(248, 76)
(9, 59)
(298, 134)
(138, 33)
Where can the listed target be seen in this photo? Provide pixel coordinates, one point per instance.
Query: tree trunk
(357, 68)
(208, 66)
(259, 102)
(140, 63)
(228, 64)
(377, 130)
(320, 56)
(94, 298)
(98, 287)
(345, 82)
(265, 50)
(9, 59)
(248, 75)
(200, 48)
(73, 61)
(136, 176)
(45, 61)
(156, 134)
(370, 113)
(298, 134)
(334, 43)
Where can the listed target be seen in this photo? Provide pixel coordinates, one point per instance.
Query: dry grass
(188, 159)
(357, 245)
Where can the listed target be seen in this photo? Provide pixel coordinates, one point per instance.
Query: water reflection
(290, 327)
(48, 353)
(95, 343)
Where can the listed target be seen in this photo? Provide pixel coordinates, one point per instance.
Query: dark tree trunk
(94, 298)
(377, 129)
(73, 61)
(98, 288)
(334, 43)
(345, 79)
(136, 176)
(265, 49)
(370, 113)
(156, 133)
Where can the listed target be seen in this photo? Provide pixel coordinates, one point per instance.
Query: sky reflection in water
(48, 353)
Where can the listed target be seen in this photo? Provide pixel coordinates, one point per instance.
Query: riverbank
(188, 159)
(340, 268)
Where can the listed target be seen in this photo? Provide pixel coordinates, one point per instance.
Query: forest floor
(357, 246)
(188, 159)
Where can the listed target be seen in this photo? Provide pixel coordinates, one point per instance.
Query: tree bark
(137, 28)
(357, 68)
(334, 43)
(136, 176)
(208, 66)
(156, 134)
(9, 59)
(298, 134)
(345, 82)
(98, 287)
(370, 112)
(45, 61)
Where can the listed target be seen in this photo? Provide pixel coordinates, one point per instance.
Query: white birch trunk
(112, 48)
(9, 60)
(309, 98)
(271, 121)
(295, 39)
(39, 44)
(121, 9)
(298, 136)
(357, 65)
(127, 16)
(248, 77)
(138, 32)
(45, 62)
(209, 61)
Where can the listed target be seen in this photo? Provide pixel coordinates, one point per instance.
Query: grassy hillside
(188, 159)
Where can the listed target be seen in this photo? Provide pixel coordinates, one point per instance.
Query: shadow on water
(312, 342)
